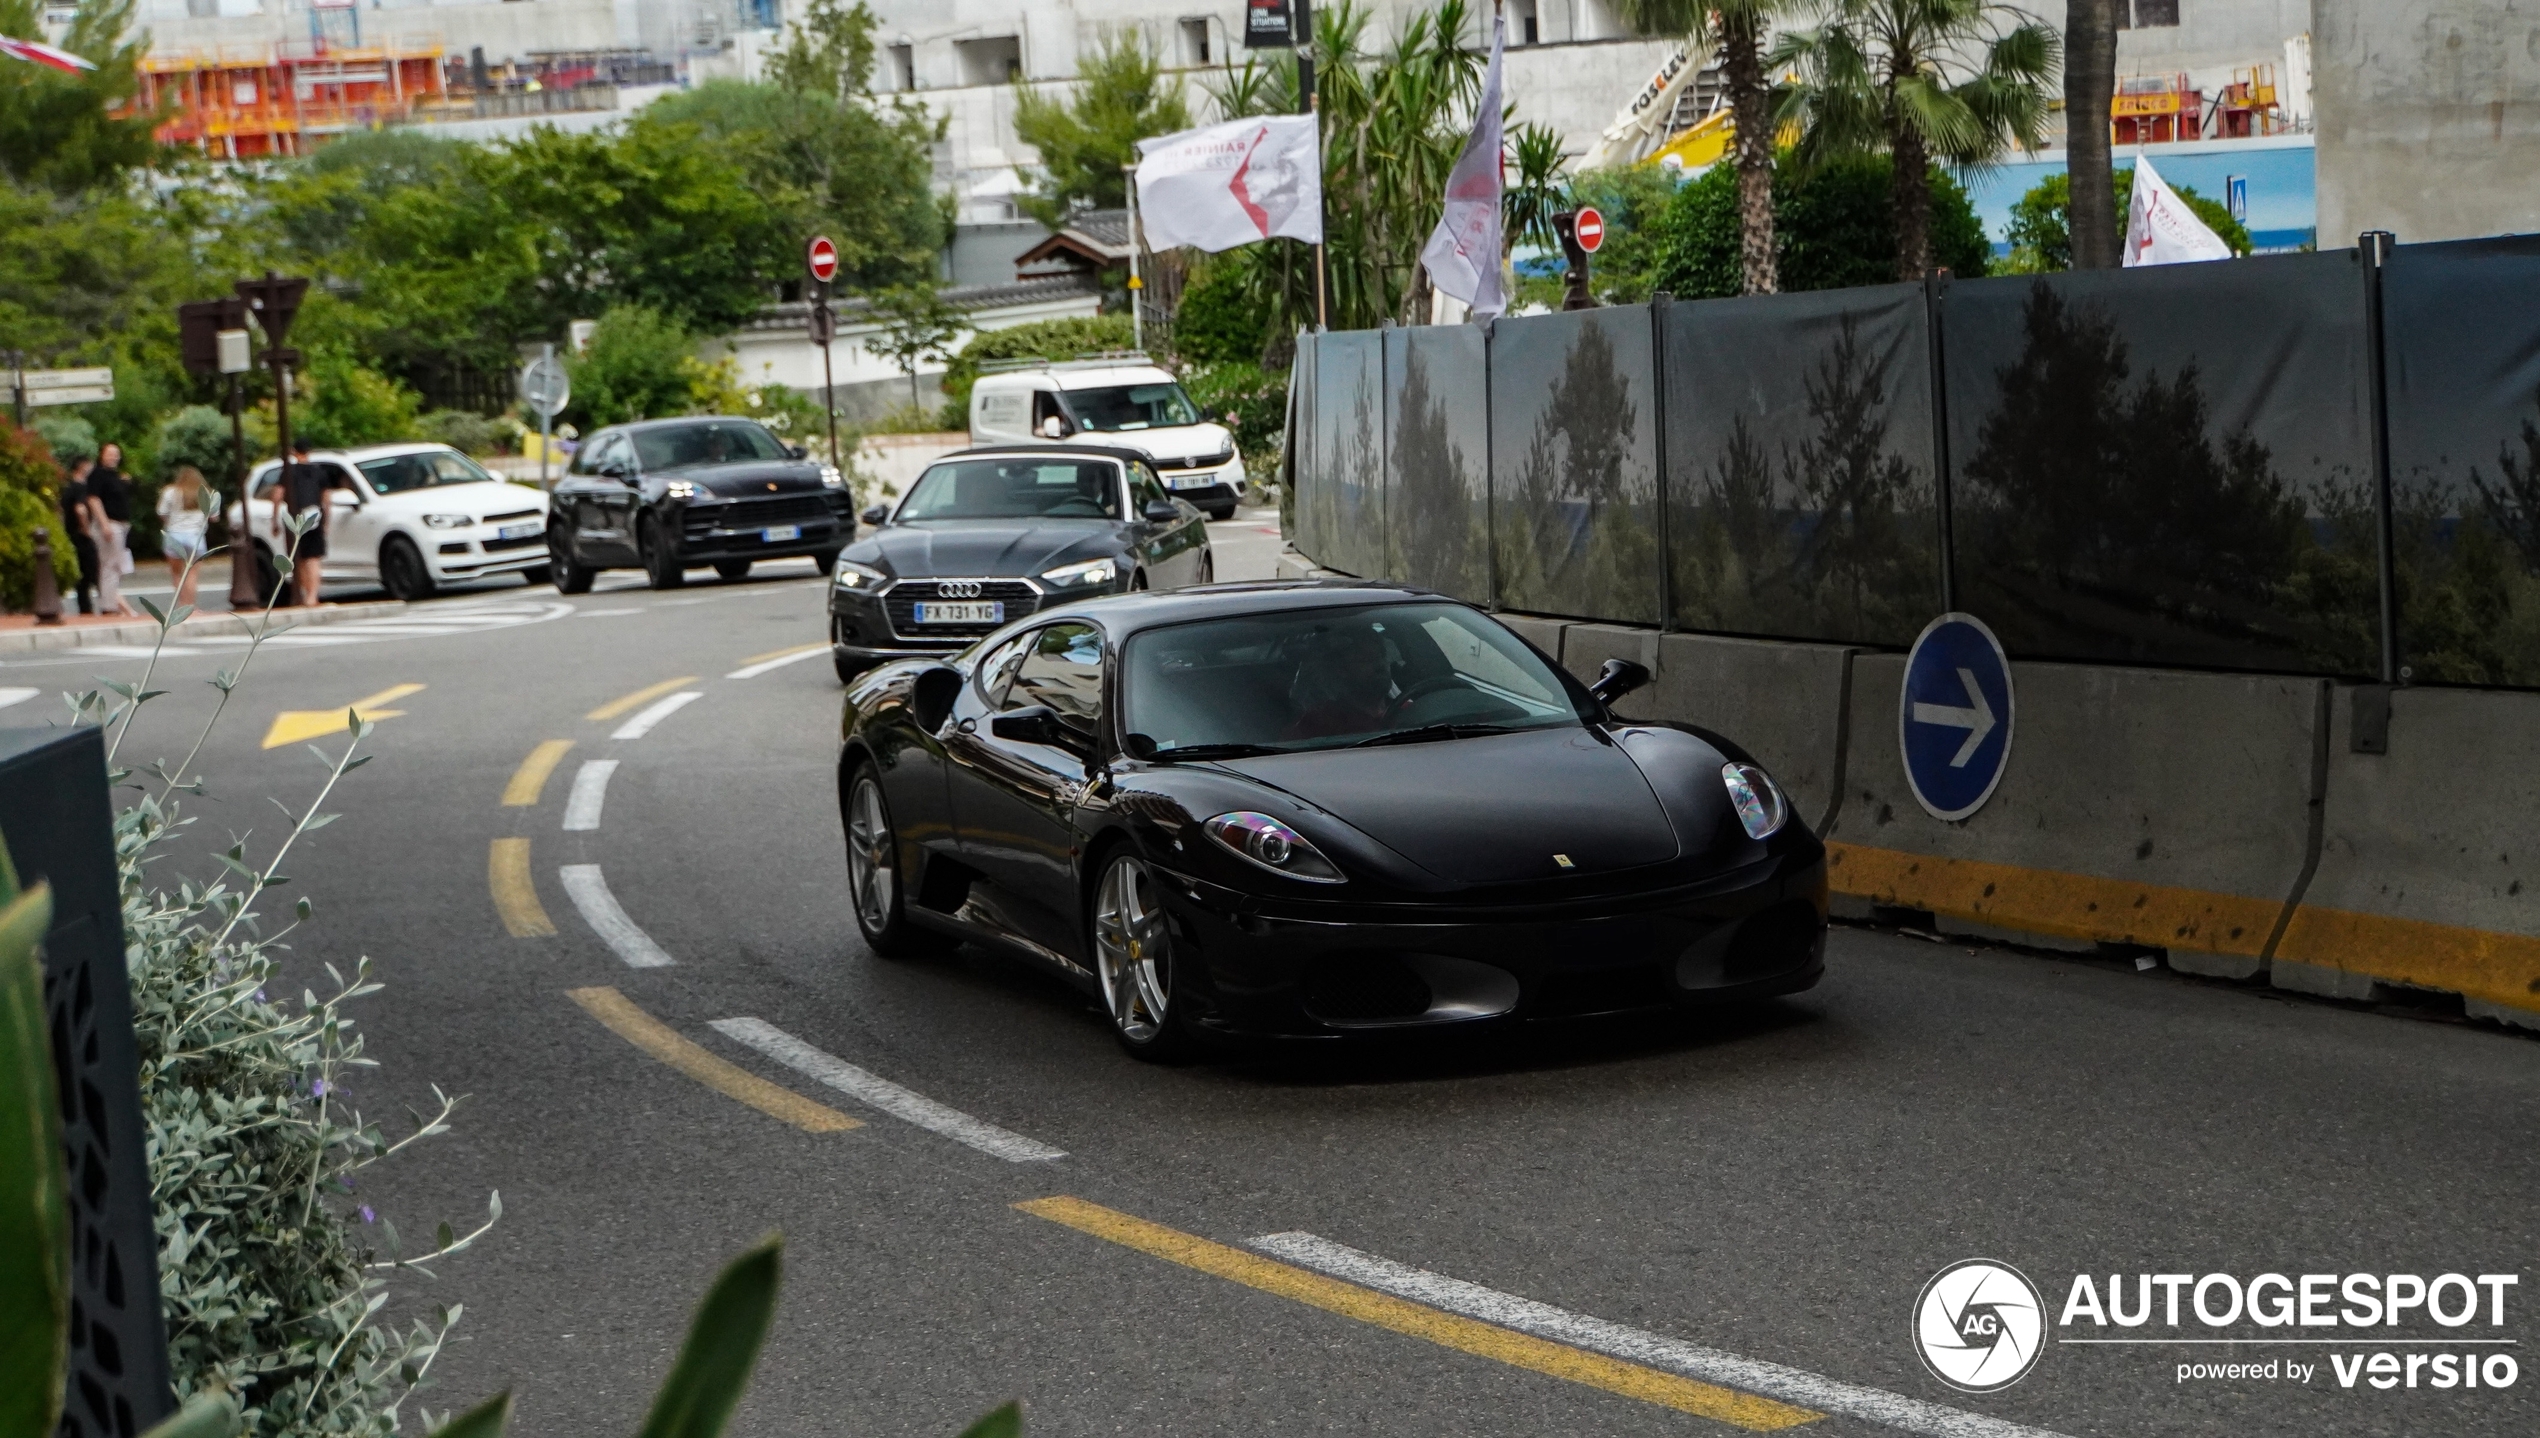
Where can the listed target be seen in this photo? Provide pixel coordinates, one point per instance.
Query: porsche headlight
(1080, 576)
(448, 521)
(830, 478)
(1272, 845)
(852, 575)
(1760, 805)
(681, 489)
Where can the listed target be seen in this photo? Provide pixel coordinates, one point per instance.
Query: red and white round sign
(1590, 228)
(822, 257)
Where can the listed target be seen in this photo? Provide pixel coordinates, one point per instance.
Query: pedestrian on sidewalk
(110, 505)
(184, 529)
(75, 530)
(303, 491)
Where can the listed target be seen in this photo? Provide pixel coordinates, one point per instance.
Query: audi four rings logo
(1979, 1325)
(958, 589)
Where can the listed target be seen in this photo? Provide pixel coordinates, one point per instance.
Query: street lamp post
(275, 301)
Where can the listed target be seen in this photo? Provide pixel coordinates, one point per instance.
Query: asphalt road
(1776, 1184)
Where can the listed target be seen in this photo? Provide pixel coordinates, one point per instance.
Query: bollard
(48, 594)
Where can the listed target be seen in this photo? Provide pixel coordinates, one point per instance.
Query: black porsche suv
(668, 495)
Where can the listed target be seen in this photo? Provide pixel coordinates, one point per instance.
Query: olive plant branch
(227, 681)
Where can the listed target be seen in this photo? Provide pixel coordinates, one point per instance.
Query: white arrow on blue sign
(1953, 718)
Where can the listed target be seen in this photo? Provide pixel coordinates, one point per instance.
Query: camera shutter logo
(1979, 1325)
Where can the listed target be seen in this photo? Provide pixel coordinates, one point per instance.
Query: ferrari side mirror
(875, 514)
(931, 696)
(1618, 678)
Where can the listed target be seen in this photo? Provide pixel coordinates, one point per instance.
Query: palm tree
(1736, 28)
(1958, 81)
(2090, 83)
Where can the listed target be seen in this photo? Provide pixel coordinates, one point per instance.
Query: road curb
(197, 626)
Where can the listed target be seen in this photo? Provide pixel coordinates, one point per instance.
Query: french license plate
(990, 611)
(1192, 481)
(781, 532)
(517, 531)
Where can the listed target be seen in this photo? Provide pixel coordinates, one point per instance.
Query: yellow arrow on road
(299, 724)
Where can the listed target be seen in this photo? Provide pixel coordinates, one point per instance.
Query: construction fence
(2317, 464)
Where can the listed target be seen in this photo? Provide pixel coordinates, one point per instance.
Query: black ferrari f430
(1313, 810)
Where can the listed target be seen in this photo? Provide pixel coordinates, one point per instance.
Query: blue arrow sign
(1953, 718)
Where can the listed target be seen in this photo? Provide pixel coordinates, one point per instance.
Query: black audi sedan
(668, 495)
(988, 535)
(1313, 810)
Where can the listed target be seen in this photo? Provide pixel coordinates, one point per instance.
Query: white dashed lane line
(9, 696)
(752, 671)
(878, 1092)
(590, 790)
(1635, 1345)
(642, 724)
(590, 894)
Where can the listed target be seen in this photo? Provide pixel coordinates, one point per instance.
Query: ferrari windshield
(1327, 678)
(1022, 488)
(1133, 406)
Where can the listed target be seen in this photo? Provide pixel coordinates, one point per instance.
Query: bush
(1044, 339)
(466, 432)
(1251, 401)
(197, 435)
(29, 500)
(70, 437)
(640, 365)
(1219, 319)
(1631, 198)
(1833, 228)
(351, 404)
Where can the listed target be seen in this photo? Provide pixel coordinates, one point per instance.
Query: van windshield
(1133, 406)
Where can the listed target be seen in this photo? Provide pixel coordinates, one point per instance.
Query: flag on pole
(1220, 186)
(2159, 227)
(1464, 252)
(37, 52)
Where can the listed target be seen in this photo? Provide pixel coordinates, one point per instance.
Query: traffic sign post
(1953, 716)
(1589, 224)
(820, 257)
(546, 388)
(212, 337)
(275, 302)
(1580, 232)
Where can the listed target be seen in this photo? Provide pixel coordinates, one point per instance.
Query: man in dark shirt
(303, 491)
(75, 530)
(110, 495)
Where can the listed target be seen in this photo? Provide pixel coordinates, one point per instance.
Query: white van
(1116, 400)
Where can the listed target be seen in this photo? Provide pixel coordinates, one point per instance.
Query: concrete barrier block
(1586, 647)
(1783, 703)
(2150, 807)
(2429, 865)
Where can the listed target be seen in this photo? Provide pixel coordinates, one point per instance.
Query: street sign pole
(820, 261)
(1137, 285)
(242, 547)
(546, 420)
(275, 301)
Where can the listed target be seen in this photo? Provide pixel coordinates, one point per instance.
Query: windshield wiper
(1219, 751)
(1427, 732)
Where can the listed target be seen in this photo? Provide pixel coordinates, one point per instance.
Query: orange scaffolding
(236, 103)
(2155, 110)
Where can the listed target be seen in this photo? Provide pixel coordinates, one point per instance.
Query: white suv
(412, 518)
(1119, 401)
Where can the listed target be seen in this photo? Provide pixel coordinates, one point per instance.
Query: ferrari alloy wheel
(1133, 955)
(873, 875)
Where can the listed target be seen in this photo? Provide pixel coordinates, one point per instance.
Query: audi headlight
(852, 575)
(830, 478)
(681, 489)
(1273, 845)
(1760, 805)
(1079, 576)
(448, 521)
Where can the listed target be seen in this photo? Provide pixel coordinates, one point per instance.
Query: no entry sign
(1590, 228)
(821, 257)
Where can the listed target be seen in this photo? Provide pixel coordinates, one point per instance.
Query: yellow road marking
(1668, 1390)
(530, 779)
(615, 707)
(292, 725)
(515, 897)
(781, 653)
(2495, 967)
(661, 1041)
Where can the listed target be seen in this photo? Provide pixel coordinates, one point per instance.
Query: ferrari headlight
(681, 489)
(852, 575)
(448, 521)
(1760, 805)
(1079, 576)
(1272, 845)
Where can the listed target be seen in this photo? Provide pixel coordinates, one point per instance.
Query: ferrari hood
(1493, 809)
(987, 547)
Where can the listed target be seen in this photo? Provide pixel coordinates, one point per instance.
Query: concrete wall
(2429, 117)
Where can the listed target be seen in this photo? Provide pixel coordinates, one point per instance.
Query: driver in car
(1344, 685)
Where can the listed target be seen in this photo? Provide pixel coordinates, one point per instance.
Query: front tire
(402, 572)
(1133, 956)
(873, 875)
(661, 566)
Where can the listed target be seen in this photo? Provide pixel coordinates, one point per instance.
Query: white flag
(1463, 253)
(1220, 186)
(2159, 227)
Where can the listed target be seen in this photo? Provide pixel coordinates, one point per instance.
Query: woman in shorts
(184, 526)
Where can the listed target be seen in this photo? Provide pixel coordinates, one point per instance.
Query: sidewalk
(20, 635)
